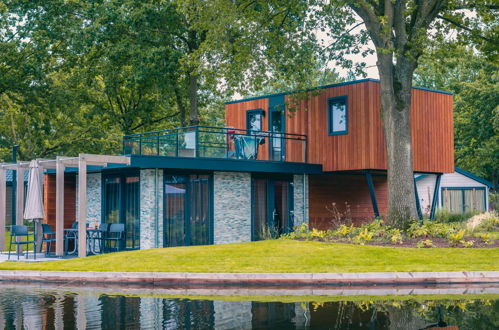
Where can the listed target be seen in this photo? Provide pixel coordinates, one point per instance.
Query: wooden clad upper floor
(357, 142)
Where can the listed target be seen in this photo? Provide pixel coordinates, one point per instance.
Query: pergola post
(82, 208)
(20, 202)
(3, 206)
(59, 208)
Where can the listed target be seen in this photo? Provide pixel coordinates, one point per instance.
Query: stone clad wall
(151, 208)
(300, 196)
(94, 197)
(232, 207)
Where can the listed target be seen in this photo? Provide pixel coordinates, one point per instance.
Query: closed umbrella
(34, 210)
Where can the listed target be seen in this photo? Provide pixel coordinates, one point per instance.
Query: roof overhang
(231, 165)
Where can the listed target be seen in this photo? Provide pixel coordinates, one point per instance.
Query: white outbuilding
(457, 192)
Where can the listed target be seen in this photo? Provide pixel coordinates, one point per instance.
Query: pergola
(59, 165)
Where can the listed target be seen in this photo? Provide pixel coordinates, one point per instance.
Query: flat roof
(329, 86)
(230, 165)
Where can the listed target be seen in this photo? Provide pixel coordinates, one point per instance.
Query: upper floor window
(337, 115)
(254, 120)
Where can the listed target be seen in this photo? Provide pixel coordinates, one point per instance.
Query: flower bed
(480, 231)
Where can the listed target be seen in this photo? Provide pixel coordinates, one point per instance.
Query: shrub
(426, 243)
(444, 216)
(363, 237)
(488, 221)
(416, 230)
(454, 238)
(494, 201)
(467, 244)
(343, 230)
(339, 217)
(396, 236)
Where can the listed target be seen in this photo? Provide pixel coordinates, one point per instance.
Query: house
(273, 167)
(457, 192)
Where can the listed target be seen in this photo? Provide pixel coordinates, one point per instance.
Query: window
(461, 200)
(337, 115)
(254, 120)
(187, 213)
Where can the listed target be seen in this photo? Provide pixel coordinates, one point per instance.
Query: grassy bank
(278, 256)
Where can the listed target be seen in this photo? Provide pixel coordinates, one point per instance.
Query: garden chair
(115, 234)
(103, 231)
(48, 237)
(21, 231)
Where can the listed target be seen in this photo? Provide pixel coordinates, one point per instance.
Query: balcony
(218, 143)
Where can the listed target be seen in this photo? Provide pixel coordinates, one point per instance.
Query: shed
(458, 192)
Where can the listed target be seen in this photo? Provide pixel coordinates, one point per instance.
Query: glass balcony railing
(218, 142)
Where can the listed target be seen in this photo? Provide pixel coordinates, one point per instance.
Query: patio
(60, 165)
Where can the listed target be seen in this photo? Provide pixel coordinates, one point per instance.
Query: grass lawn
(278, 256)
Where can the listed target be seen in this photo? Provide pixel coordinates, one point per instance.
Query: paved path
(164, 279)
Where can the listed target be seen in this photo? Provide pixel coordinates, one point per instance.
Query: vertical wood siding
(363, 147)
(69, 200)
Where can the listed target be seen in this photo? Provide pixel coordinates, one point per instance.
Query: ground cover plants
(481, 230)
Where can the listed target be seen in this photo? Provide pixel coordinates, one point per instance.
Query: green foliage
(426, 243)
(456, 237)
(444, 216)
(363, 237)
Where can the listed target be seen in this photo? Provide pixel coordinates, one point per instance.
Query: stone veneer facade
(232, 207)
(94, 198)
(300, 197)
(151, 208)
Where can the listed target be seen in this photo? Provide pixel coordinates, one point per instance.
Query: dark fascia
(332, 85)
(231, 165)
(474, 177)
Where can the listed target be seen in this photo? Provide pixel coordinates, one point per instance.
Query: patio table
(94, 245)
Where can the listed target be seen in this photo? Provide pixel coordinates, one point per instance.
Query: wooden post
(82, 207)
(3, 207)
(20, 196)
(59, 208)
(20, 202)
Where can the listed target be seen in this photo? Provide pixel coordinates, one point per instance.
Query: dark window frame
(330, 125)
(261, 112)
(462, 189)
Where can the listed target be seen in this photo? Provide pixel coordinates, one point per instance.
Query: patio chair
(115, 234)
(103, 231)
(20, 231)
(48, 237)
(71, 236)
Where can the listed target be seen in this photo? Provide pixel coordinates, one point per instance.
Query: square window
(337, 115)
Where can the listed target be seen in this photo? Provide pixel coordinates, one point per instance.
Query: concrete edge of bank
(159, 278)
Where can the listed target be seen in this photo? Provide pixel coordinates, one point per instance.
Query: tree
(400, 31)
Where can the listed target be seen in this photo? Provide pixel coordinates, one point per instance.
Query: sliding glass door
(272, 207)
(187, 214)
(121, 204)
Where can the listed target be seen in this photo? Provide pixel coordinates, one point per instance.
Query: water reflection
(30, 308)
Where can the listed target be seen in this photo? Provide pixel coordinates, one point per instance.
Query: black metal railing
(218, 142)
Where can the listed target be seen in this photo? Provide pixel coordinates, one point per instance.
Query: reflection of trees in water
(25, 308)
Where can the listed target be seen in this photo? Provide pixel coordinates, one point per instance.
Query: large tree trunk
(181, 108)
(193, 100)
(396, 81)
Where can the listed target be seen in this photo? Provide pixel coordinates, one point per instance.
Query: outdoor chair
(48, 237)
(103, 231)
(115, 237)
(21, 231)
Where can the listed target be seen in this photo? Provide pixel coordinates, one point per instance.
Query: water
(36, 307)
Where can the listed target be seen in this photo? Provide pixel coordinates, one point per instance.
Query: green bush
(444, 216)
